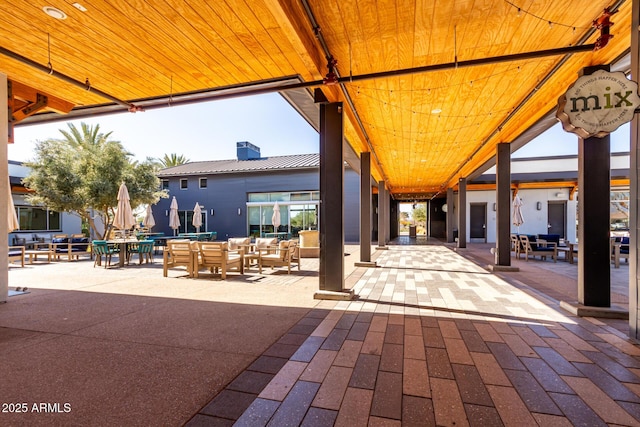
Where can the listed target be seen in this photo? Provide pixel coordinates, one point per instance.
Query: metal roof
(212, 167)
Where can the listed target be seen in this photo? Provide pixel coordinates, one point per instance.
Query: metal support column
(331, 203)
(382, 220)
(503, 202)
(365, 210)
(450, 216)
(594, 257)
(462, 213)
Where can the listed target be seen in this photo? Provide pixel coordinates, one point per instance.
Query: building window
(37, 219)
(203, 182)
(164, 184)
(183, 183)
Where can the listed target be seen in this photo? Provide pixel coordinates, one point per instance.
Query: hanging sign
(597, 104)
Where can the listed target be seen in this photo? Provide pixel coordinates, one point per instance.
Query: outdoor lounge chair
(516, 245)
(179, 253)
(266, 244)
(619, 250)
(216, 256)
(285, 255)
(16, 253)
(541, 248)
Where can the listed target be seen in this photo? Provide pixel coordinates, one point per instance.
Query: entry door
(557, 218)
(478, 221)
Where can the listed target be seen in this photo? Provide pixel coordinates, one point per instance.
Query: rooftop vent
(247, 151)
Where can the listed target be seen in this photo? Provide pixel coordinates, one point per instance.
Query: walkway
(434, 339)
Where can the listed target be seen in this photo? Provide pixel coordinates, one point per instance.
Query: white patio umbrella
(148, 221)
(275, 218)
(197, 217)
(14, 224)
(174, 220)
(517, 219)
(124, 219)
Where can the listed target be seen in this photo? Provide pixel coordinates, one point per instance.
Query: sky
(202, 131)
(209, 131)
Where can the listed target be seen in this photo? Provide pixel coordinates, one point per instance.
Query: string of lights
(548, 21)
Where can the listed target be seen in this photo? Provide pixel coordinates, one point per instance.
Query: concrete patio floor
(434, 339)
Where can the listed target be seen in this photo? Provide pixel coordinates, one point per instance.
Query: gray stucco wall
(225, 193)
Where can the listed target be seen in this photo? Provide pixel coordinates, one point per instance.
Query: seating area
(285, 255)
(218, 258)
(531, 245)
(235, 255)
(70, 247)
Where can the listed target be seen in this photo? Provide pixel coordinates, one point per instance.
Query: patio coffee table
(33, 254)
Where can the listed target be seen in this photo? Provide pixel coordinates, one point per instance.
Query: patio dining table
(123, 247)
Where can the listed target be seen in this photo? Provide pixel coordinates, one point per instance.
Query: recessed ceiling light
(54, 13)
(436, 111)
(80, 7)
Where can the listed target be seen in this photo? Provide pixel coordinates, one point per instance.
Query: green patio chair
(102, 248)
(144, 249)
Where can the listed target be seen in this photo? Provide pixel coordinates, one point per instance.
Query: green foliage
(172, 159)
(419, 214)
(83, 171)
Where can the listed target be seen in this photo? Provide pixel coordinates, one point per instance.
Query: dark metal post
(365, 207)
(450, 216)
(503, 202)
(382, 220)
(462, 213)
(594, 257)
(331, 199)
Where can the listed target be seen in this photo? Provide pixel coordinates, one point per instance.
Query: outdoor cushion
(60, 240)
(236, 242)
(265, 243)
(82, 247)
(555, 238)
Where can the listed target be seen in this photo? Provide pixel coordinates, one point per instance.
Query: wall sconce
(539, 206)
(211, 212)
(239, 211)
(495, 207)
(166, 213)
(559, 195)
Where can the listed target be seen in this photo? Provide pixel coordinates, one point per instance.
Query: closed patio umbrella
(174, 221)
(124, 219)
(518, 219)
(275, 218)
(148, 221)
(197, 217)
(14, 224)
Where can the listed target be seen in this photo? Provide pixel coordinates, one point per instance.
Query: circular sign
(597, 104)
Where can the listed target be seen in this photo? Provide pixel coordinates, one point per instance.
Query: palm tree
(172, 159)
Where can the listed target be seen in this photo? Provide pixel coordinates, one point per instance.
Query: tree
(82, 172)
(419, 214)
(172, 159)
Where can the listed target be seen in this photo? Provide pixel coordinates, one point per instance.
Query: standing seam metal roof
(297, 161)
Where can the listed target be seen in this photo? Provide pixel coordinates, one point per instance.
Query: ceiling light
(54, 13)
(80, 7)
(436, 111)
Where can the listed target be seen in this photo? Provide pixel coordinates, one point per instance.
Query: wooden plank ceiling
(425, 130)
